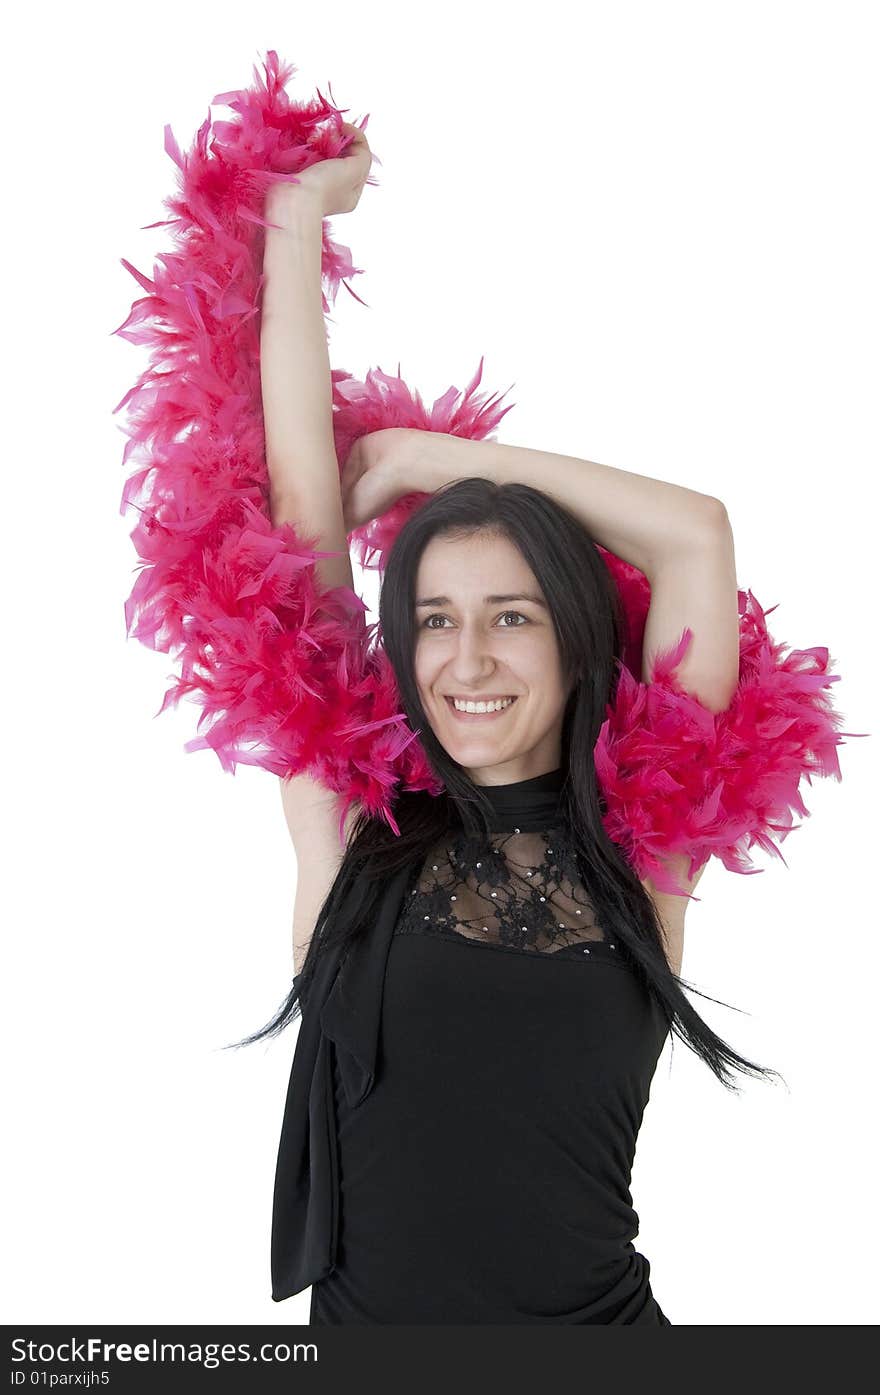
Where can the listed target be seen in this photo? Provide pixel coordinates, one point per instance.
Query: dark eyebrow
(489, 600)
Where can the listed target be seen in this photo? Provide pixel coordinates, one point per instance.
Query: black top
(475, 1085)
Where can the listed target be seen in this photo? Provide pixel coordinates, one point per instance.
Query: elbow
(715, 517)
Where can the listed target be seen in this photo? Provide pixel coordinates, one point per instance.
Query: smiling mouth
(479, 716)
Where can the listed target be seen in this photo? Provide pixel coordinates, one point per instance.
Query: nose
(473, 661)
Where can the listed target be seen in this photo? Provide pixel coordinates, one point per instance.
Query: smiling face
(484, 632)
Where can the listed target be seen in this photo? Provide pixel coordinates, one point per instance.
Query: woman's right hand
(333, 186)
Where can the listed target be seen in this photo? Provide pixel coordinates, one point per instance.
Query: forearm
(297, 393)
(639, 519)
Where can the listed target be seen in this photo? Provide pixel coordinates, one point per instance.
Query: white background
(659, 223)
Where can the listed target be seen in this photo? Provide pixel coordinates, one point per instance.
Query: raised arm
(301, 459)
(296, 384)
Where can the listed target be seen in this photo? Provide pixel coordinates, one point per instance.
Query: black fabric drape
(342, 1015)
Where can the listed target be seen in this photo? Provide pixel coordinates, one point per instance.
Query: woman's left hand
(376, 474)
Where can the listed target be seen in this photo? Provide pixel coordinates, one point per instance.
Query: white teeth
(482, 706)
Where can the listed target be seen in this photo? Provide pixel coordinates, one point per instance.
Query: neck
(494, 776)
(529, 804)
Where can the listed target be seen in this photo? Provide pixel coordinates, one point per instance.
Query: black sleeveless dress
(483, 1090)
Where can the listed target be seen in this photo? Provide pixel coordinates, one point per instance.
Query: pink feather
(289, 677)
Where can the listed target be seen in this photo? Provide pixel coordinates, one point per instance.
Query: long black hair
(586, 610)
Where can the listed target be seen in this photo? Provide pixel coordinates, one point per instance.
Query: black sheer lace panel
(518, 890)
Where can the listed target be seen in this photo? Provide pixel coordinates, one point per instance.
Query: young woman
(484, 996)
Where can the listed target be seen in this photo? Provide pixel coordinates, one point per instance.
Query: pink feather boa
(288, 675)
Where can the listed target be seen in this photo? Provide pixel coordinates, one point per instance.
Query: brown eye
(426, 623)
